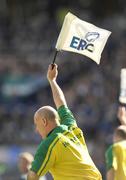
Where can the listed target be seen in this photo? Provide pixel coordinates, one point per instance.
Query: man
(116, 153)
(63, 151)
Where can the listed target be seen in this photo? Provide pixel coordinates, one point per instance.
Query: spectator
(24, 164)
(116, 153)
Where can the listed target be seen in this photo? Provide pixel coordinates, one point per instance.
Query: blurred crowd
(28, 33)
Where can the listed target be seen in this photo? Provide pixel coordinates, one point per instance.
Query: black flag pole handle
(54, 59)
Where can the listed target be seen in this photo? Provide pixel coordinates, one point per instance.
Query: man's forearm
(58, 95)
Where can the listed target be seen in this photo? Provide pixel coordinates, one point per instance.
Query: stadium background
(28, 33)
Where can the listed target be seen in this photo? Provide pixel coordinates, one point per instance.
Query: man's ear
(45, 122)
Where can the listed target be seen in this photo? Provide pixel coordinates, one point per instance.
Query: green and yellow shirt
(64, 152)
(116, 159)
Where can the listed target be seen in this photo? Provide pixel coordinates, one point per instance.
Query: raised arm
(122, 115)
(58, 95)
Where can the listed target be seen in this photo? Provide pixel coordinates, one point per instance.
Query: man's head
(120, 133)
(46, 119)
(24, 162)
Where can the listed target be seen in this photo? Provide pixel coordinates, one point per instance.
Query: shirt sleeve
(66, 116)
(43, 160)
(109, 158)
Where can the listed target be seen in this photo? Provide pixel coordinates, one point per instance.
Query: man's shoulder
(53, 136)
(66, 116)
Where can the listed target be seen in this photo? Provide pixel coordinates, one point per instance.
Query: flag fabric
(82, 37)
(122, 96)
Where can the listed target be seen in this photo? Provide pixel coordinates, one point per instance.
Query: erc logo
(85, 44)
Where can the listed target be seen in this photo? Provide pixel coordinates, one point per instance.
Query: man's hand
(32, 176)
(110, 174)
(52, 72)
(122, 115)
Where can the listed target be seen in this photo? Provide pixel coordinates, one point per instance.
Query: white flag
(122, 96)
(82, 37)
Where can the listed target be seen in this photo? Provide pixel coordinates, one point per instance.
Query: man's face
(23, 165)
(39, 125)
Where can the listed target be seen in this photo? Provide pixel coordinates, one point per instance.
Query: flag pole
(54, 59)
